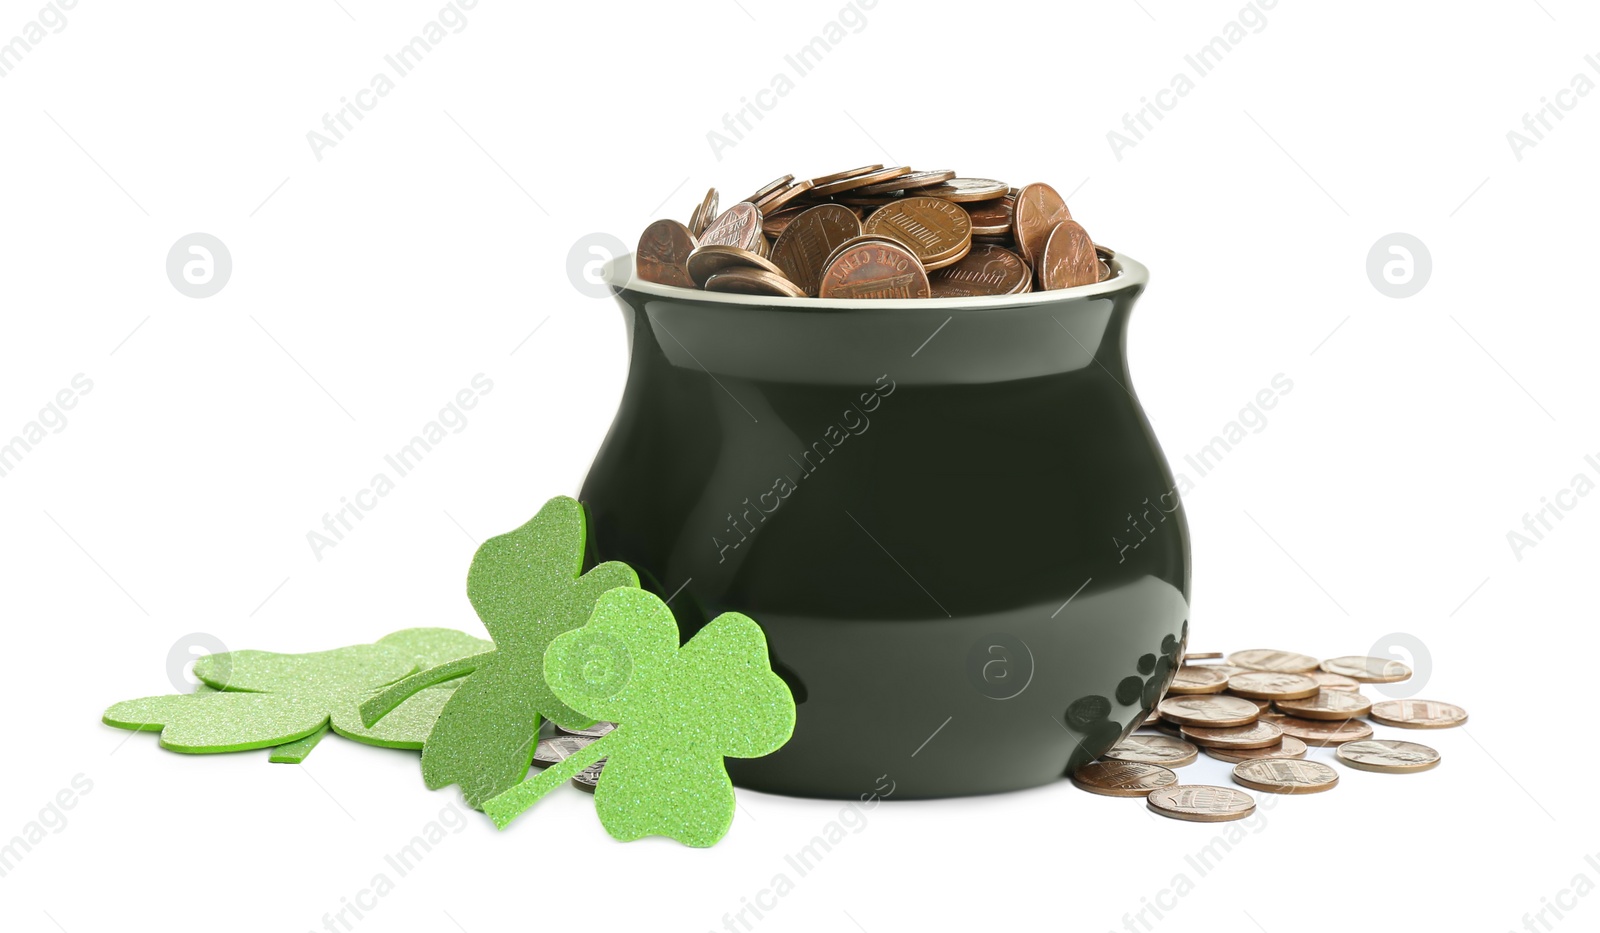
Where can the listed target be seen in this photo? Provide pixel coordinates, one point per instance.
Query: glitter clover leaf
(679, 712)
(270, 699)
(527, 589)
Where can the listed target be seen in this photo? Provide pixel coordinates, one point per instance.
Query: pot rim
(1126, 273)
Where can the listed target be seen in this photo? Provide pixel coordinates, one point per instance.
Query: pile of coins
(562, 743)
(876, 232)
(1260, 712)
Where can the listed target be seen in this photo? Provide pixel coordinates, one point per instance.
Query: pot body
(951, 519)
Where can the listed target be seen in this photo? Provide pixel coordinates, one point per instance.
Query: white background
(369, 286)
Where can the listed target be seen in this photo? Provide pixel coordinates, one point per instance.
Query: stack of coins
(1261, 711)
(876, 232)
(562, 743)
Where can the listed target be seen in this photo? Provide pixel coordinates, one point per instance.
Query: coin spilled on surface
(877, 232)
(1259, 712)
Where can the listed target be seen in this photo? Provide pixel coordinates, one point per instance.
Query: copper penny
(1191, 680)
(746, 281)
(1209, 711)
(782, 196)
(704, 213)
(1269, 685)
(739, 225)
(802, 250)
(1268, 659)
(773, 224)
(1255, 735)
(985, 270)
(1069, 259)
(1201, 803)
(712, 258)
(1322, 733)
(906, 182)
(1154, 750)
(1418, 714)
(1285, 776)
(1368, 670)
(1202, 656)
(862, 180)
(1290, 747)
(938, 233)
(771, 186)
(1122, 778)
(1327, 704)
(664, 248)
(1329, 681)
(1037, 211)
(1387, 756)
(992, 218)
(877, 269)
(847, 173)
(967, 189)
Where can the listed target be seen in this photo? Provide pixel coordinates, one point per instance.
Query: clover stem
(512, 803)
(382, 704)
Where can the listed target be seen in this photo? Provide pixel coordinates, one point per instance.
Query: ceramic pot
(950, 516)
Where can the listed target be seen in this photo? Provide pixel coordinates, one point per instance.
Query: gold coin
(1322, 733)
(1201, 803)
(1271, 685)
(1285, 776)
(1267, 659)
(1255, 735)
(1368, 670)
(1387, 756)
(1154, 750)
(1290, 747)
(937, 232)
(712, 258)
(745, 281)
(739, 225)
(1209, 711)
(1418, 714)
(1327, 704)
(1122, 778)
(1191, 680)
(1329, 681)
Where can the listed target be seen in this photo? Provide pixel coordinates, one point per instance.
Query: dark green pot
(951, 517)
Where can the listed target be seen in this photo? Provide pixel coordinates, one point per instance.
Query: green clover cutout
(270, 699)
(679, 712)
(526, 587)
